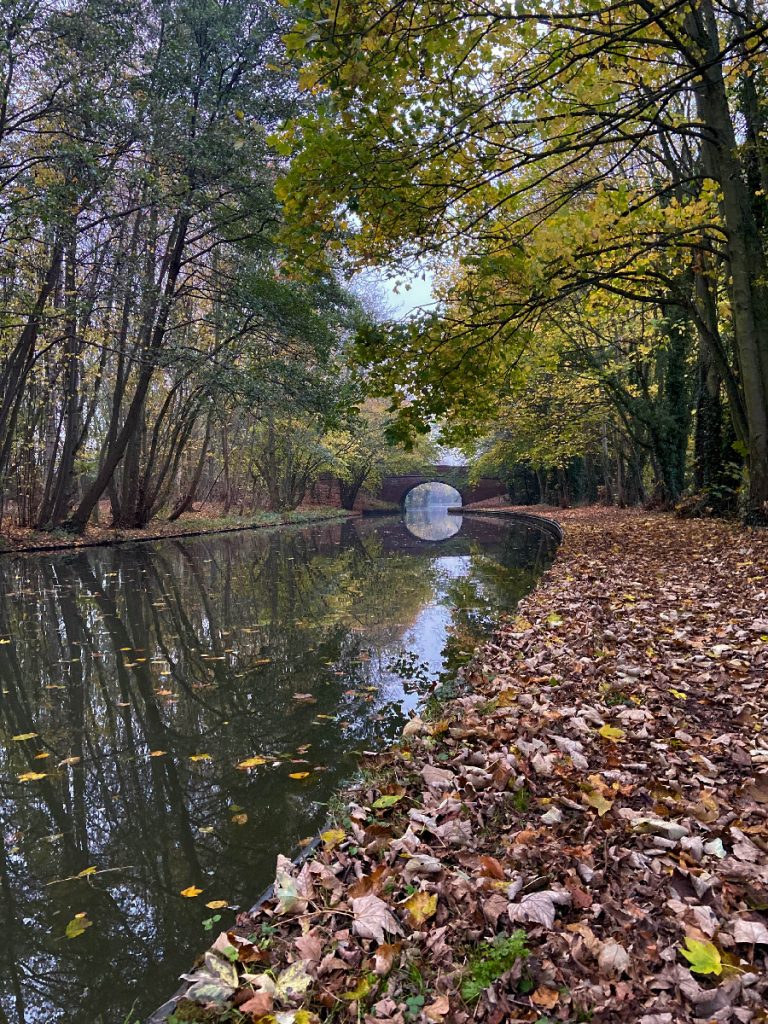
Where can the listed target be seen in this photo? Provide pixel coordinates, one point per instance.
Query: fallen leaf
(421, 906)
(31, 776)
(251, 762)
(749, 931)
(438, 1010)
(384, 802)
(239, 819)
(24, 736)
(217, 904)
(191, 891)
(298, 775)
(77, 926)
(610, 732)
(332, 837)
(613, 958)
(704, 957)
(372, 917)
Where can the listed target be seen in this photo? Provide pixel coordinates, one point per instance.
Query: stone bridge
(395, 489)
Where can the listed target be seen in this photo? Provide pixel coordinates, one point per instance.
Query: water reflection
(432, 523)
(136, 679)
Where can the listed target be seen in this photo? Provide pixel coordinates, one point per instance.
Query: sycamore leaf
(293, 982)
(596, 799)
(190, 892)
(420, 907)
(704, 957)
(610, 732)
(373, 917)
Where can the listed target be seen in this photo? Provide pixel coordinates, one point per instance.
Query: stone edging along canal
(304, 854)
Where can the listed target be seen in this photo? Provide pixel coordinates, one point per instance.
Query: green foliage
(490, 961)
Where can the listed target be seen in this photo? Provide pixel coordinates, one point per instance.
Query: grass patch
(488, 962)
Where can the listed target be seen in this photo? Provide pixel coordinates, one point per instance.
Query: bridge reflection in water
(433, 523)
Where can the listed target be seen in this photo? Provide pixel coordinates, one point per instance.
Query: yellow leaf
(200, 757)
(240, 819)
(679, 694)
(361, 989)
(42, 756)
(77, 926)
(251, 762)
(157, 753)
(24, 736)
(596, 799)
(704, 957)
(190, 892)
(31, 776)
(332, 837)
(4, 641)
(298, 775)
(420, 907)
(610, 732)
(217, 904)
(86, 871)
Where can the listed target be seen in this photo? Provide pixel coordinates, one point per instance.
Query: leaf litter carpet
(580, 835)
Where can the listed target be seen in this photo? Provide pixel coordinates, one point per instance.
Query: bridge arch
(457, 492)
(394, 489)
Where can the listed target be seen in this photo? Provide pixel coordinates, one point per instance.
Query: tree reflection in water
(129, 664)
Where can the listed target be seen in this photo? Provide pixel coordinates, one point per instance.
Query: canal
(177, 713)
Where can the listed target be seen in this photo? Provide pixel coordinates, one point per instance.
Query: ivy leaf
(704, 957)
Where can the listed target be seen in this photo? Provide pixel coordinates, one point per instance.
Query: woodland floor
(209, 519)
(579, 834)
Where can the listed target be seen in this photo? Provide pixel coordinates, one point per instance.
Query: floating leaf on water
(190, 892)
(31, 776)
(68, 761)
(87, 871)
(42, 755)
(77, 926)
(24, 736)
(157, 753)
(298, 775)
(217, 904)
(239, 819)
(200, 757)
(251, 762)
(704, 957)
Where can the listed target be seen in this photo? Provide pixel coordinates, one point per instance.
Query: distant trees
(591, 180)
(149, 331)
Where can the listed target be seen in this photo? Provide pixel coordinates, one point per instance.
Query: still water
(136, 679)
